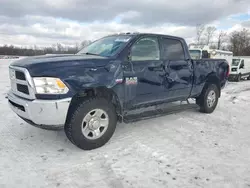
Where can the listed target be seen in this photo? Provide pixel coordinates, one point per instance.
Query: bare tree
(59, 47)
(199, 32)
(240, 42)
(34, 50)
(222, 38)
(54, 47)
(209, 33)
(85, 43)
(76, 47)
(213, 46)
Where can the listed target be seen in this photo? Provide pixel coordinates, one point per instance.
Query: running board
(171, 109)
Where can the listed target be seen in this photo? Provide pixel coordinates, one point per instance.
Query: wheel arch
(102, 91)
(213, 79)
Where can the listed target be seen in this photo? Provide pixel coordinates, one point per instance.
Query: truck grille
(20, 75)
(21, 82)
(23, 88)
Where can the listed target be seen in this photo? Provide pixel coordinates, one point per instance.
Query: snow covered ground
(188, 149)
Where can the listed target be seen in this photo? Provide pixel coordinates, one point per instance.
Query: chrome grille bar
(27, 82)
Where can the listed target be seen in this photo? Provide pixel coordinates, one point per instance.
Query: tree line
(237, 41)
(54, 49)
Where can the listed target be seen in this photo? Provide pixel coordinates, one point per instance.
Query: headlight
(48, 85)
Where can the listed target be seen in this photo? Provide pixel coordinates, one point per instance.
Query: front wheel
(208, 99)
(92, 123)
(248, 78)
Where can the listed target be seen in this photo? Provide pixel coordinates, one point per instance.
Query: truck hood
(46, 64)
(87, 60)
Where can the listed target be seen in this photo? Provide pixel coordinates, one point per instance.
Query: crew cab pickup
(89, 92)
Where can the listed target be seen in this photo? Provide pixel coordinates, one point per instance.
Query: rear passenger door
(179, 70)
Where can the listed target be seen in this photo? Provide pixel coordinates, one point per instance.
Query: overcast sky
(45, 22)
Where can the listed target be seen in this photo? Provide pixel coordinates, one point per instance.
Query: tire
(210, 91)
(84, 116)
(238, 78)
(248, 78)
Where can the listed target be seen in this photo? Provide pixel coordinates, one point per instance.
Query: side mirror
(242, 67)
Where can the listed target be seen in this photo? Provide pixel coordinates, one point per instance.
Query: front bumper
(40, 112)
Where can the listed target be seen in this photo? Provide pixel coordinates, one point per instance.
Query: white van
(240, 68)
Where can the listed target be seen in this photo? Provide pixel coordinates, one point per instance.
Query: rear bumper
(40, 112)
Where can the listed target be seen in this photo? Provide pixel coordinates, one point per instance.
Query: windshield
(235, 62)
(107, 46)
(195, 54)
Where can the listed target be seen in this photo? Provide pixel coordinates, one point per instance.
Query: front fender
(109, 77)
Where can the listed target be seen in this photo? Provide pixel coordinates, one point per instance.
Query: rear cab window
(172, 49)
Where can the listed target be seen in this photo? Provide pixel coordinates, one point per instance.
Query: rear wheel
(208, 99)
(238, 78)
(92, 123)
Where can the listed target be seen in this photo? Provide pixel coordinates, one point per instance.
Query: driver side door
(144, 73)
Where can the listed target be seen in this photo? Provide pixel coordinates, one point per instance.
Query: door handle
(190, 65)
(93, 69)
(168, 78)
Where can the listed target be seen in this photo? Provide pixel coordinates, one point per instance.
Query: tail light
(228, 71)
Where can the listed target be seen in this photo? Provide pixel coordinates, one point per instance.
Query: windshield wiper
(88, 53)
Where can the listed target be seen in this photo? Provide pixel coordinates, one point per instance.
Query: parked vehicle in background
(89, 92)
(240, 68)
(203, 51)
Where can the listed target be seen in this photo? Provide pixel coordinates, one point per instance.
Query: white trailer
(240, 68)
(201, 51)
(221, 54)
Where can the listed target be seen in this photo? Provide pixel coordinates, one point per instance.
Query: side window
(172, 49)
(242, 64)
(145, 49)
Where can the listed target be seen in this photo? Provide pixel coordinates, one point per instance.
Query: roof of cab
(143, 34)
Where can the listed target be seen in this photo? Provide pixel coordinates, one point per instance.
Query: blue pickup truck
(89, 92)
